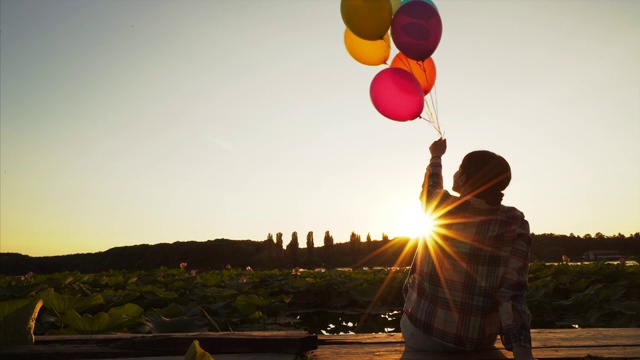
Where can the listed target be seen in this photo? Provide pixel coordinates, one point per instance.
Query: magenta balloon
(416, 29)
(397, 94)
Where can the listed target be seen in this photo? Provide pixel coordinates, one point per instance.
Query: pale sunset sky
(147, 121)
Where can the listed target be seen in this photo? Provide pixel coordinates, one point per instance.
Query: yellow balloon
(368, 19)
(367, 52)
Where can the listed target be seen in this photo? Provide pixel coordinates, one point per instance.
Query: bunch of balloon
(401, 91)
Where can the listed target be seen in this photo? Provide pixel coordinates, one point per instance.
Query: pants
(419, 340)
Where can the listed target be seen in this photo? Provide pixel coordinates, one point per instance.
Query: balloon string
(432, 113)
(433, 96)
(435, 125)
(433, 120)
(431, 93)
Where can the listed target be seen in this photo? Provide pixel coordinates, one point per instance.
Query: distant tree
(366, 250)
(310, 247)
(292, 248)
(354, 242)
(328, 247)
(279, 250)
(270, 243)
(268, 254)
(385, 238)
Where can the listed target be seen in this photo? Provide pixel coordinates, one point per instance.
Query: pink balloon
(416, 29)
(397, 94)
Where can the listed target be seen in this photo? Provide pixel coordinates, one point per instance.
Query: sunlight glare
(414, 223)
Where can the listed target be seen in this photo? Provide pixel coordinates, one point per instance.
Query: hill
(217, 254)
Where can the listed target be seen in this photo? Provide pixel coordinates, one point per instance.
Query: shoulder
(443, 198)
(511, 212)
(515, 216)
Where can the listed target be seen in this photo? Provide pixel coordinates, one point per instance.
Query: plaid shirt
(468, 284)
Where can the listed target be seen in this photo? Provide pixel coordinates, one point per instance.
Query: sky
(143, 122)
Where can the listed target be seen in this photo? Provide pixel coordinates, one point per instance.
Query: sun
(414, 223)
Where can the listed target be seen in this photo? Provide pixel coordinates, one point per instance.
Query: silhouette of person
(468, 281)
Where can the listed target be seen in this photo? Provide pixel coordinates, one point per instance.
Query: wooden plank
(540, 338)
(111, 338)
(283, 345)
(547, 343)
(262, 356)
(60, 352)
(92, 352)
(585, 337)
(155, 345)
(230, 343)
(360, 338)
(608, 352)
(394, 351)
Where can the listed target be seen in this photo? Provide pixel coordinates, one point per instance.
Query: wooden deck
(267, 345)
(548, 344)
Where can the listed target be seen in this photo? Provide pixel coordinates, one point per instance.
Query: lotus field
(320, 301)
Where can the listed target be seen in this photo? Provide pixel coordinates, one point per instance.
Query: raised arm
(433, 176)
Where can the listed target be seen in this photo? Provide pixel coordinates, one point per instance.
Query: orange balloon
(367, 52)
(424, 71)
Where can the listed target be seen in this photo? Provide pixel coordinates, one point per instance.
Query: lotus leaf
(16, 328)
(195, 352)
(63, 303)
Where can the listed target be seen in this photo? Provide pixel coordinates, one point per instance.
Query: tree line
(272, 253)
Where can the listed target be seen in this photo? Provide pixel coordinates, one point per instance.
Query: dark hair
(487, 175)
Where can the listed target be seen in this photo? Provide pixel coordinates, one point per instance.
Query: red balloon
(397, 94)
(424, 71)
(416, 29)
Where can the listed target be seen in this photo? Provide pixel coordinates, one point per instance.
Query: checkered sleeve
(432, 182)
(514, 315)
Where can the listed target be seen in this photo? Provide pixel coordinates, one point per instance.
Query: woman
(468, 282)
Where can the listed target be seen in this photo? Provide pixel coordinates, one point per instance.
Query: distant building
(603, 255)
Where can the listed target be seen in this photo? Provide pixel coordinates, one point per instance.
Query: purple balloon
(416, 29)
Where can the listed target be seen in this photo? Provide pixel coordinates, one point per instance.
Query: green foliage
(195, 352)
(9, 306)
(18, 322)
(62, 303)
(172, 300)
(587, 295)
(92, 324)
